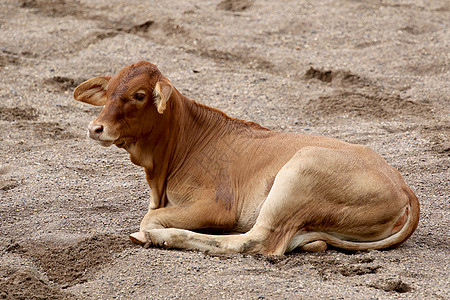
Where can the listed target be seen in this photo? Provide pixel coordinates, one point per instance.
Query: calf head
(134, 102)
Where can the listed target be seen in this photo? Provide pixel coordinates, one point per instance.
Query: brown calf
(276, 191)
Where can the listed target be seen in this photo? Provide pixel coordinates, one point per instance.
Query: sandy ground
(369, 72)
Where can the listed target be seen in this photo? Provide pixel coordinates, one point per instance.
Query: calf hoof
(316, 246)
(139, 238)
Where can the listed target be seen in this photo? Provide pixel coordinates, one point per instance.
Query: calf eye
(139, 96)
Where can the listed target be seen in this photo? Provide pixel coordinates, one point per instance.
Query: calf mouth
(104, 144)
(99, 141)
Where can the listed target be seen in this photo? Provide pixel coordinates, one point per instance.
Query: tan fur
(277, 191)
(92, 91)
(162, 92)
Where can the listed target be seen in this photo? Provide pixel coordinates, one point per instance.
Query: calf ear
(92, 91)
(163, 90)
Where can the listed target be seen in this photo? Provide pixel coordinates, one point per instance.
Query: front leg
(188, 240)
(196, 215)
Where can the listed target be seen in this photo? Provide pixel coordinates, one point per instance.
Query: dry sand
(369, 72)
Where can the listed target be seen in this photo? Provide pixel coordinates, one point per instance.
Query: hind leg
(288, 208)
(316, 246)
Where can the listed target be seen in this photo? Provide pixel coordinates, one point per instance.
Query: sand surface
(369, 72)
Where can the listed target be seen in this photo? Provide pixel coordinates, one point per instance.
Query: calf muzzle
(95, 131)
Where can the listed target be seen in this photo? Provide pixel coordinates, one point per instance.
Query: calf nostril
(98, 129)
